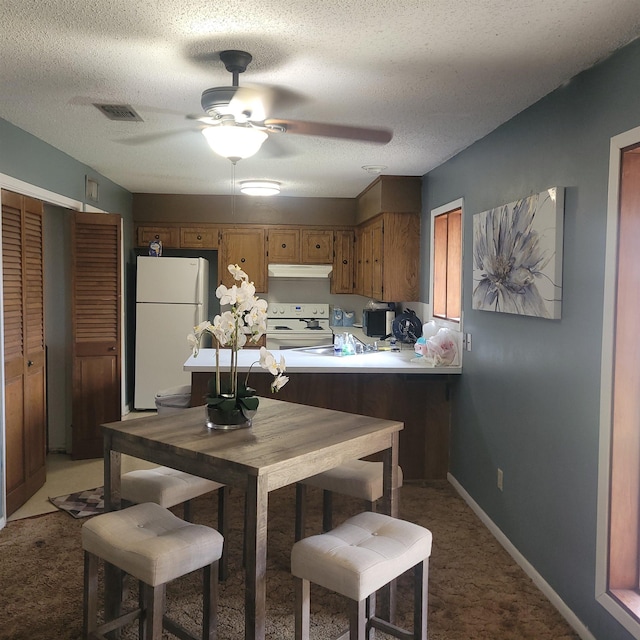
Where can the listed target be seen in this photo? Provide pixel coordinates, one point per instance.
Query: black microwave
(377, 323)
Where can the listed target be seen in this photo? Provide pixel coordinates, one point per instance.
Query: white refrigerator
(171, 299)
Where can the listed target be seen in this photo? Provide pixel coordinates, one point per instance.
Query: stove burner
(315, 328)
(282, 327)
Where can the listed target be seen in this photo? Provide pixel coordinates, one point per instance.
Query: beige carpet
(476, 591)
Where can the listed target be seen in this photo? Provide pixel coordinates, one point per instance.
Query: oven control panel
(296, 310)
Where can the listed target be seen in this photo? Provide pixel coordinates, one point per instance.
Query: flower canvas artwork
(517, 256)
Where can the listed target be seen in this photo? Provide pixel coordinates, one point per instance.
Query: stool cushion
(148, 542)
(164, 486)
(356, 478)
(361, 555)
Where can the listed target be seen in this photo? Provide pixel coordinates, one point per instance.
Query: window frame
(449, 207)
(603, 593)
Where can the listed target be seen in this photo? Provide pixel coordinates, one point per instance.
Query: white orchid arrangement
(246, 320)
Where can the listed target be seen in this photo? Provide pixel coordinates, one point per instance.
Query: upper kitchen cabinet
(283, 245)
(199, 237)
(246, 248)
(169, 236)
(388, 257)
(317, 246)
(343, 274)
(388, 239)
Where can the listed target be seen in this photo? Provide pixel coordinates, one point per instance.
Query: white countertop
(301, 362)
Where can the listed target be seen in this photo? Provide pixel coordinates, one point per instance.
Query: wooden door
(96, 328)
(25, 372)
(342, 278)
(246, 248)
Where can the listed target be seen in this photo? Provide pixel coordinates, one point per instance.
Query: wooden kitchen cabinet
(246, 248)
(283, 246)
(343, 274)
(199, 237)
(169, 236)
(317, 246)
(388, 257)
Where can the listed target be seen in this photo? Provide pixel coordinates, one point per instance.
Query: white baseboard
(526, 566)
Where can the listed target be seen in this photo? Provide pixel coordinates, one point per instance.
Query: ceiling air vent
(120, 112)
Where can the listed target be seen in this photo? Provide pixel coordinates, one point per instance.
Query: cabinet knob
(284, 245)
(29, 363)
(317, 246)
(112, 348)
(157, 236)
(199, 237)
(344, 262)
(243, 260)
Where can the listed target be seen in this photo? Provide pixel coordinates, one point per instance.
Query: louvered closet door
(96, 314)
(25, 377)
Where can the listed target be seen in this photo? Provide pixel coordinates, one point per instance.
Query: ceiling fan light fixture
(260, 187)
(234, 142)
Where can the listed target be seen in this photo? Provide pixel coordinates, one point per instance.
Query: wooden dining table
(286, 443)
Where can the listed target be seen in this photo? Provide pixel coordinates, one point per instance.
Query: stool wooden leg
(210, 601)
(187, 511)
(357, 620)
(327, 511)
(153, 611)
(421, 573)
(302, 608)
(90, 605)
(301, 511)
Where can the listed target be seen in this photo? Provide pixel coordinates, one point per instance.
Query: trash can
(174, 399)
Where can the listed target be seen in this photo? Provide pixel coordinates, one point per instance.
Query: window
(446, 263)
(618, 558)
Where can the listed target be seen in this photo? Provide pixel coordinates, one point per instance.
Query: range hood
(299, 271)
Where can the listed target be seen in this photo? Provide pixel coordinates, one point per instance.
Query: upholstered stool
(358, 478)
(151, 544)
(357, 558)
(168, 488)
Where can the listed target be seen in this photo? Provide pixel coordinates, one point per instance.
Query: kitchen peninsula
(383, 384)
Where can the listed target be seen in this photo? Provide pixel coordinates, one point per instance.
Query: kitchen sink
(323, 350)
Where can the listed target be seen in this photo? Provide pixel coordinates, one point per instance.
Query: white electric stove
(291, 325)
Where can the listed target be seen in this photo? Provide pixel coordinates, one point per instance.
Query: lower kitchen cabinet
(420, 401)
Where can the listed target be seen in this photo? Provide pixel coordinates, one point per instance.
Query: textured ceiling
(439, 73)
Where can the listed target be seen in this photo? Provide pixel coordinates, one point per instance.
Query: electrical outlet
(500, 479)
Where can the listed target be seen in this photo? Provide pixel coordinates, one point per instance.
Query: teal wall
(528, 399)
(27, 158)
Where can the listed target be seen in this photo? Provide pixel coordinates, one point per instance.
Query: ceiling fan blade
(330, 130)
(155, 137)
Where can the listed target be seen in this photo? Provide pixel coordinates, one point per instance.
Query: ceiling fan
(238, 123)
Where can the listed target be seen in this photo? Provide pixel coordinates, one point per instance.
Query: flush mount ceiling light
(374, 168)
(234, 142)
(260, 187)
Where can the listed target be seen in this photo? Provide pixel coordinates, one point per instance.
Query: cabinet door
(96, 311)
(195, 238)
(284, 246)
(343, 276)
(377, 264)
(246, 248)
(24, 359)
(169, 236)
(317, 246)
